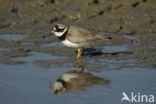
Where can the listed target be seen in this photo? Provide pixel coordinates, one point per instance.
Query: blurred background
(37, 16)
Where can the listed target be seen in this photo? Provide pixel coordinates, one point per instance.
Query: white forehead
(57, 85)
(61, 26)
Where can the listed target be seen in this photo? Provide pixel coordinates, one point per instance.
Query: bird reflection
(75, 80)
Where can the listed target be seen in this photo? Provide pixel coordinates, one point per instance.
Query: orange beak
(52, 31)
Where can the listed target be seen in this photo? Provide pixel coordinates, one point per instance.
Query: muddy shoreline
(122, 17)
(131, 23)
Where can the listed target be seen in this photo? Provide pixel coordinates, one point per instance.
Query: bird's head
(59, 29)
(58, 86)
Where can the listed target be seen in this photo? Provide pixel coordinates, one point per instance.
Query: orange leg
(80, 68)
(79, 53)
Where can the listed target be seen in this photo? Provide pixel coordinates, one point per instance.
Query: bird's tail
(101, 37)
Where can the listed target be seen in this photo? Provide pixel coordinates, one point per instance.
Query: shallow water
(12, 36)
(116, 48)
(32, 83)
(36, 56)
(52, 44)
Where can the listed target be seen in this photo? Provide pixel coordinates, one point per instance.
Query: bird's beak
(52, 31)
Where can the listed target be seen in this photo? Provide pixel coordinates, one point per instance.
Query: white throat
(59, 34)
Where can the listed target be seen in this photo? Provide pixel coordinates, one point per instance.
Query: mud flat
(129, 22)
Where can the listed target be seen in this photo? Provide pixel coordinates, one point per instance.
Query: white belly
(70, 44)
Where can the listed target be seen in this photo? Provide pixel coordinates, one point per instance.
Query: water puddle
(32, 82)
(26, 43)
(12, 37)
(36, 56)
(3, 49)
(52, 44)
(132, 38)
(113, 49)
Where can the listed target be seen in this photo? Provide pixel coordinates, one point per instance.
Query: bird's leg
(80, 68)
(79, 53)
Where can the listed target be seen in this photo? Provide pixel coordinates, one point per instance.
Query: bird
(72, 81)
(76, 37)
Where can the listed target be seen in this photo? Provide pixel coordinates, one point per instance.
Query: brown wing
(79, 35)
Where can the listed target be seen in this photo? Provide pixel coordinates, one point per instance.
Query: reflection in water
(74, 80)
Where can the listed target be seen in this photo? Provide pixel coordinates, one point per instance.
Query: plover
(77, 37)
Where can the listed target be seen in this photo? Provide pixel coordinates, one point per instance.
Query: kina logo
(138, 97)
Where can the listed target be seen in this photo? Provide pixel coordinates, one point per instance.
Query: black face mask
(57, 29)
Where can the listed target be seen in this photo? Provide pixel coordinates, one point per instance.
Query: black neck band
(63, 37)
(62, 81)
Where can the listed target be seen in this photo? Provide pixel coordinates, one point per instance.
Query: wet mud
(25, 25)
